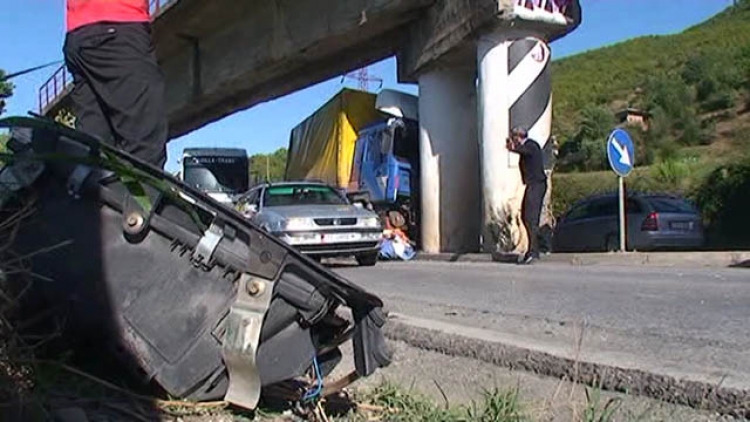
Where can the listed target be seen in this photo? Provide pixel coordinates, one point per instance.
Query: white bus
(222, 173)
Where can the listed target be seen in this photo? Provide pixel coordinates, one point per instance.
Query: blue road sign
(621, 152)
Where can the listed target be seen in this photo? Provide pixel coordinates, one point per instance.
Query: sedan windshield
(289, 195)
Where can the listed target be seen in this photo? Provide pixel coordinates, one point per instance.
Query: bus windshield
(217, 173)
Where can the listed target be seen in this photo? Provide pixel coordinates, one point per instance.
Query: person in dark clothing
(533, 176)
(118, 87)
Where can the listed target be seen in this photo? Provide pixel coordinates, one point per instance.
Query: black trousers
(531, 211)
(118, 92)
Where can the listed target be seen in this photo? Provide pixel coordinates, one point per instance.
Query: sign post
(621, 156)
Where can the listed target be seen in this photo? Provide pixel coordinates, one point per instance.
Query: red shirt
(84, 12)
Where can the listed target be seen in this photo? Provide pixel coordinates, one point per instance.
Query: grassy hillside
(696, 87)
(612, 76)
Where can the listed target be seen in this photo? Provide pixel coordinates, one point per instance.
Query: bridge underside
(221, 56)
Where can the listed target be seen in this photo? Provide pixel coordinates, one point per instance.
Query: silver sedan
(315, 218)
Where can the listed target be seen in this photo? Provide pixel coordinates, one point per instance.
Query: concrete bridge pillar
(449, 152)
(514, 90)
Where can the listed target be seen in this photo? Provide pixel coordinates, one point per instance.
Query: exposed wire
(315, 393)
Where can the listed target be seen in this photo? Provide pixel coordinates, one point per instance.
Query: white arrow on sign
(623, 151)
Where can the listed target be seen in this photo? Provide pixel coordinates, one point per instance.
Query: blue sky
(32, 31)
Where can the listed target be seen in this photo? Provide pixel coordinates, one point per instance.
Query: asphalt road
(692, 323)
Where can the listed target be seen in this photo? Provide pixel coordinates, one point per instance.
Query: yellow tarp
(322, 146)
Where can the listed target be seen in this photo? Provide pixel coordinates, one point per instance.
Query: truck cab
(377, 169)
(385, 166)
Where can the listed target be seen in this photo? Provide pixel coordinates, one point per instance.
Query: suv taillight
(651, 223)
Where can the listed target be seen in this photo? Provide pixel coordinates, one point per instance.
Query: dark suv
(654, 222)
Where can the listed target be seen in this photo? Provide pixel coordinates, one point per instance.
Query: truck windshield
(277, 196)
(217, 174)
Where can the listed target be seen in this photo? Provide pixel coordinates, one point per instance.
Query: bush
(595, 151)
(706, 88)
(691, 133)
(644, 147)
(719, 101)
(723, 201)
(670, 174)
(695, 69)
(669, 94)
(587, 150)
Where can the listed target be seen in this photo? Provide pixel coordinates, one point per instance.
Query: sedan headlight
(371, 222)
(299, 224)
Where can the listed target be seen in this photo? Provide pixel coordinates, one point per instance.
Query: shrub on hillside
(691, 133)
(695, 69)
(586, 151)
(669, 94)
(670, 174)
(644, 151)
(718, 101)
(723, 200)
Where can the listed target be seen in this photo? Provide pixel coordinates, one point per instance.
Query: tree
(6, 90)
(596, 122)
(671, 95)
(696, 69)
(587, 149)
(270, 167)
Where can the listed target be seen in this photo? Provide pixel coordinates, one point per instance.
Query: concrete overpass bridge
(223, 56)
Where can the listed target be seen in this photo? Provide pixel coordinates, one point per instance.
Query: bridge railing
(61, 81)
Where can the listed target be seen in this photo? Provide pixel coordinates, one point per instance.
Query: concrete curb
(696, 394)
(735, 259)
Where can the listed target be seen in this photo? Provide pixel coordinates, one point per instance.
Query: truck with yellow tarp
(366, 145)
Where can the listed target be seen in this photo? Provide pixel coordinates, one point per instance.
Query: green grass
(496, 405)
(401, 406)
(598, 409)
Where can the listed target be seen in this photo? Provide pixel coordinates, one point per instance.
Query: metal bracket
(136, 220)
(204, 251)
(242, 339)
(77, 179)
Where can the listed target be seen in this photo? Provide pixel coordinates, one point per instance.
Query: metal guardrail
(61, 81)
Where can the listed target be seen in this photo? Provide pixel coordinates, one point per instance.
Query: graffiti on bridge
(550, 11)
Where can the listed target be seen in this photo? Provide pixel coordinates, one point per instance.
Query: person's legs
(526, 207)
(534, 210)
(88, 111)
(119, 64)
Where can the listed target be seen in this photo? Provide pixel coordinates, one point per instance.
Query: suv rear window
(671, 205)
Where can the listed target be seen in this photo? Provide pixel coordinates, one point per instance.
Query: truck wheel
(367, 260)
